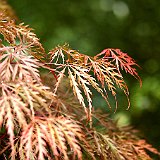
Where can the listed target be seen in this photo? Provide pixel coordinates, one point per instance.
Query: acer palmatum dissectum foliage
(38, 124)
(56, 135)
(20, 34)
(118, 147)
(105, 66)
(25, 103)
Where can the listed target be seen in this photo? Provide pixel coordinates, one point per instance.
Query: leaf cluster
(45, 122)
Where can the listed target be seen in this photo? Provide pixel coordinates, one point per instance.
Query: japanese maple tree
(50, 114)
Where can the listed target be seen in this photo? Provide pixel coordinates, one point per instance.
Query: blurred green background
(93, 25)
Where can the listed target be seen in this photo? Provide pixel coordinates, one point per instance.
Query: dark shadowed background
(93, 25)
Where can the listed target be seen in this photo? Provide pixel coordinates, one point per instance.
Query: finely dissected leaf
(16, 64)
(37, 96)
(105, 66)
(57, 133)
(60, 77)
(10, 127)
(111, 142)
(6, 102)
(105, 147)
(18, 104)
(80, 80)
(119, 144)
(141, 146)
(120, 59)
(41, 144)
(76, 89)
(71, 131)
(14, 107)
(107, 74)
(2, 112)
(21, 34)
(29, 135)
